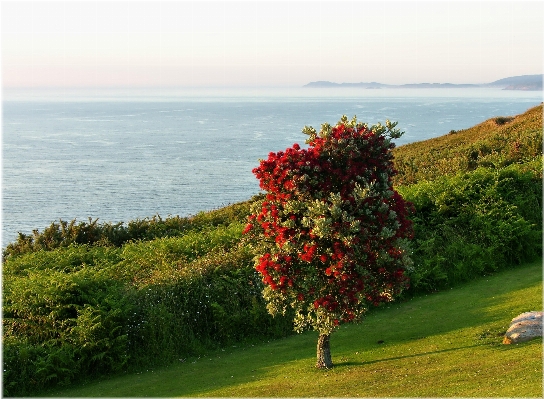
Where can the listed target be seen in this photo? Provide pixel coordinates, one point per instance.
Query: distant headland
(524, 82)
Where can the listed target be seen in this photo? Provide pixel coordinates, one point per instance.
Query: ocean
(121, 155)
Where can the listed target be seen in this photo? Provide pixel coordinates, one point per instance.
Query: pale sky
(267, 43)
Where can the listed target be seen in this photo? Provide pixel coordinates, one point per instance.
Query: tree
(331, 234)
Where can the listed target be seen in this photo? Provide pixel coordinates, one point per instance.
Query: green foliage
(473, 224)
(67, 260)
(143, 260)
(63, 234)
(65, 325)
(84, 311)
(212, 302)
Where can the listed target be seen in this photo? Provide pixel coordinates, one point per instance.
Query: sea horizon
(261, 93)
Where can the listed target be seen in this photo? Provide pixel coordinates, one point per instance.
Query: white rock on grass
(524, 327)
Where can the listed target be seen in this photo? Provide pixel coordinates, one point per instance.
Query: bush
(65, 325)
(501, 120)
(62, 234)
(83, 311)
(215, 301)
(473, 224)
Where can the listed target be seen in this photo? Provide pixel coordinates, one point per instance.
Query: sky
(123, 44)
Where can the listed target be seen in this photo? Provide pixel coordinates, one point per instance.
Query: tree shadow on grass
(486, 305)
(415, 355)
(490, 302)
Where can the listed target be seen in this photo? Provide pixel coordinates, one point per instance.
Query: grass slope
(494, 143)
(446, 344)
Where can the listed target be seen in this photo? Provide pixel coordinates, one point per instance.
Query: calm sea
(123, 155)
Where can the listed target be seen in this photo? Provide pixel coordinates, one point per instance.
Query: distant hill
(524, 82)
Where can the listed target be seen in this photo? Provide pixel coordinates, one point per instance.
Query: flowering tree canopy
(331, 235)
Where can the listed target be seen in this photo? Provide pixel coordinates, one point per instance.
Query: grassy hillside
(81, 300)
(441, 345)
(495, 143)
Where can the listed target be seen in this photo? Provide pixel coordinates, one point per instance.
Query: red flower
(249, 226)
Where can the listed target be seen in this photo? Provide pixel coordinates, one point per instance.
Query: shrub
(64, 326)
(83, 311)
(501, 120)
(473, 224)
(63, 234)
(214, 301)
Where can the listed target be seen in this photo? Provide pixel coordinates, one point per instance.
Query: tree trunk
(324, 360)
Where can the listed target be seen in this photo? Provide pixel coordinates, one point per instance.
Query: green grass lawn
(441, 345)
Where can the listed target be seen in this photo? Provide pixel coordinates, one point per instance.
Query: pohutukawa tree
(331, 235)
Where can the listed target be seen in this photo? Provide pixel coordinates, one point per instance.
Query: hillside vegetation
(495, 143)
(406, 349)
(478, 198)
(87, 299)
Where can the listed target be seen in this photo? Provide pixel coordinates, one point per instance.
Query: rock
(524, 327)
